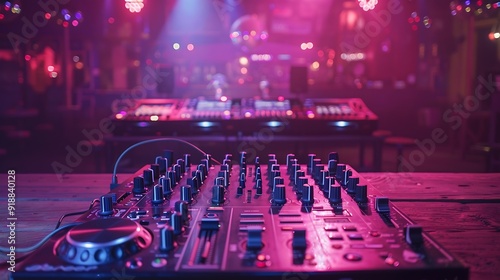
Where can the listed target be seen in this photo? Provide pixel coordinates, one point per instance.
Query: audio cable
(114, 179)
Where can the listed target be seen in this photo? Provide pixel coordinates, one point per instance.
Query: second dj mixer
(243, 218)
(246, 116)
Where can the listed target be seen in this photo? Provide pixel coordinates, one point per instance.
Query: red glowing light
(111, 20)
(410, 20)
(47, 16)
(459, 7)
(414, 27)
(27, 57)
(65, 24)
(417, 19)
(479, 2)
(1, 16)
(74, 23)
(281, 98)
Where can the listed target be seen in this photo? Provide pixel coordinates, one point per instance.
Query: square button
(349, 228)
(355, 236)
(335, 236)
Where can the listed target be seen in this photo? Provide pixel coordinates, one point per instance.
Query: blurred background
(71, 69)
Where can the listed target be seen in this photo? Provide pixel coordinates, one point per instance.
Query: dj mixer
(242, 218)
(199, 116)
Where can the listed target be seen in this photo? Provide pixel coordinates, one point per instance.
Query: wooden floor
(461, 211)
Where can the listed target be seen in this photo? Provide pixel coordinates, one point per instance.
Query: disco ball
(247, 32)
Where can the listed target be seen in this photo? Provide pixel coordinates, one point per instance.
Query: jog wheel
(103, 241)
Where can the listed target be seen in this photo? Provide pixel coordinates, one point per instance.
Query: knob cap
(166, 185)
(186, 194)
(162, 163)
(138, 185)
(340, 171)
(148, 177)
(182, 208)
(176, 222)
(351, 185)
(361, 195)
(173, 178)
(254, 239)
(158, 197)
(307, 195)
(413, 235)
(299, 241)
(106, 207)
(310, 159)
(279, 195)
(334, 194)
(156, 170)
(346, 177)
(167, 239)
(239, 191)
(218, 195)
(187, 161)
(258, 187)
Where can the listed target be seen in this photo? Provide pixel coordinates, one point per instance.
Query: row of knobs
(330, 178)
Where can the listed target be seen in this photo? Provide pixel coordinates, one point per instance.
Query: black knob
(225, 178)
(333, 156)
(254, 239)
(239, 191)
(178, 172)
(156, 170)
(290, 169)
(182, 165)
(289, 158)
(186, 194)
(172, 177)
(322, 179)
(307, 195)
(242, 180)
(166, 185)
(340, 171)
(162, 163)
(299, 240)
(203, 170)
(219, 181)
(351, 185)
(157, 195)
(187, 161)
(345, 178)
(258, 173)
(106, 207)
(279, 195)
(301, 182)
(316, 167)
(182, 208)
(278, 181)
(148, 177)
(332, 167)
(361, 194)
(335, 194)
(176, 222)
(193, 182)
(298, 174)
(138, 185)
(218, 195)
(167, 239)
(258, 187)
(271, 156)
(329, 181)
(413, 235)
(310, 160)
(293, 171)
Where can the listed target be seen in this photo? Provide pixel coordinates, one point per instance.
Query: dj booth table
(461, 211)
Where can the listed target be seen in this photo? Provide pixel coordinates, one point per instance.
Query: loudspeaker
(166, 80)
(298, 79)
